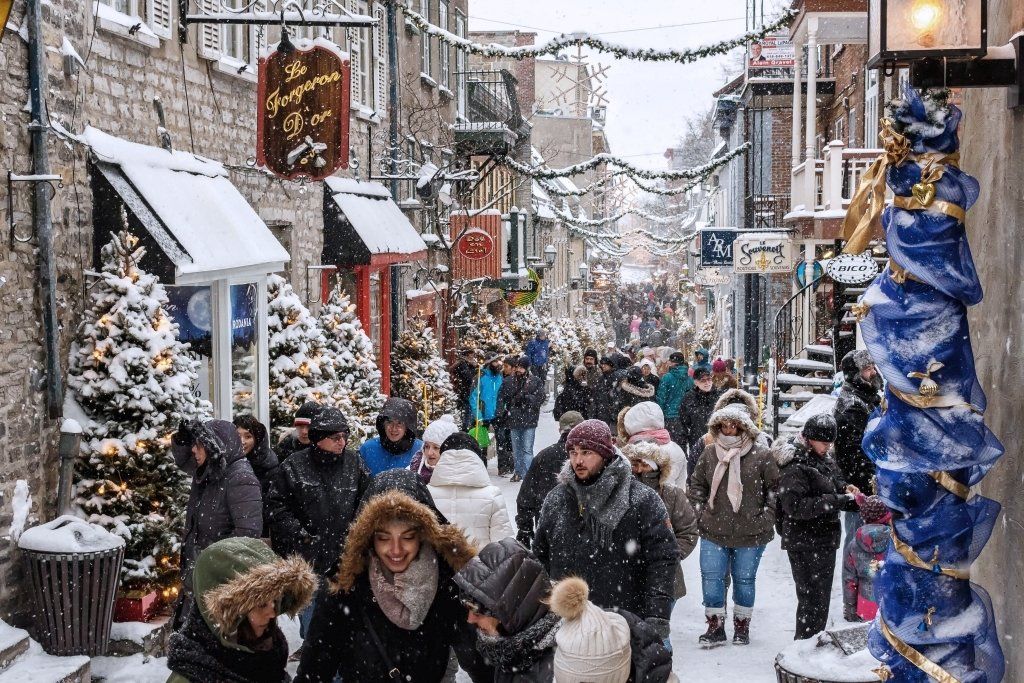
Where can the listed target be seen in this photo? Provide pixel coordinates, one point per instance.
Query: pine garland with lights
(419, 373)
(353, 364)
(487, 334)
(134, 382)
(299, 369)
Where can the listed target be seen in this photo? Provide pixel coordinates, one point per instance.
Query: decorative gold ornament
(860, 310)
(928, 387)
(883, 672)
(924, 193)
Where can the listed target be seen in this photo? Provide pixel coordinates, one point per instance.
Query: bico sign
(302, 124)
(852, 269)
(762, 253)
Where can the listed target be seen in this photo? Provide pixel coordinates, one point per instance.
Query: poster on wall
(192, 309)
(763, 253)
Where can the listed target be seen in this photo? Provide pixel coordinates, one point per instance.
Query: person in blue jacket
(483, 400)
(538, 350)
(397, 442)
(701, 359)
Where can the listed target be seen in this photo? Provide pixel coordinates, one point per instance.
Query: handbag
(393, 672)
(481, 434)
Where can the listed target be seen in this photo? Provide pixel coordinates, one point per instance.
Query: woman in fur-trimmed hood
(232, 636)
(746, 399)
(393, 604)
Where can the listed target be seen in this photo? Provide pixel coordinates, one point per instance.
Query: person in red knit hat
(721, 378)
(863, 558)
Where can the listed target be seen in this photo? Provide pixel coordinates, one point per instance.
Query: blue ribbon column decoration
(929, 439)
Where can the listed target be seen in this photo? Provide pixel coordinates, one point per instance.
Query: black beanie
(306, 412)
(327, 422)
(820, 428)
(461, 441)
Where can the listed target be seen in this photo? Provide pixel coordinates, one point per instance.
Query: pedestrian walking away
(812, 493)
(673, 386)
(732, 490)
(519, 402)
(538, 350)
(396, 441)
(541, 478)
(232, 636)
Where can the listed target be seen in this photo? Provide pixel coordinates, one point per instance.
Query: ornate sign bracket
(272, 12)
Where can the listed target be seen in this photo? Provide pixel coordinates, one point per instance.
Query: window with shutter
(159, 17)
(443, 49)
(460, 66)
(355, 50)
(380, 63)
(425, 40)
(209, 34)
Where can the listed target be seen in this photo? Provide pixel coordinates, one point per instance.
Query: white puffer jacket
(464, 494)
(648, 416)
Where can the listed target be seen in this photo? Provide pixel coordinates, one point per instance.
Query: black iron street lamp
(549, 255)
(944, 44)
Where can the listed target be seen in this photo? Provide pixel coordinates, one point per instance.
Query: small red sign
(476, 244)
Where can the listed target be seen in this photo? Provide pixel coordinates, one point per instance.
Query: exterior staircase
(23, 659)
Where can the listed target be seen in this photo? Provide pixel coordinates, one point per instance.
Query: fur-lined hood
(786, 450)
(739, 397)
(648, 450)
(447, 541)
(236, 575)
(736, 413)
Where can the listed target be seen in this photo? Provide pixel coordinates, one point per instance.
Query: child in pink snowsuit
(861, 562)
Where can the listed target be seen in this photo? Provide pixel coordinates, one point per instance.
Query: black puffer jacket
(538, 482)
(634, 567)
(262, 459)
(607, 401)
(512, 586)
(519, 401)
(856, 401)
(225, 498)
(811, 496)
(289, 446)
(575, 394)
(313, 499)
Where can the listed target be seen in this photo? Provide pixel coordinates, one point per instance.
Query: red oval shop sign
(476, 244)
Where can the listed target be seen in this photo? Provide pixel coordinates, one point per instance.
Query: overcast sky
(647, 101)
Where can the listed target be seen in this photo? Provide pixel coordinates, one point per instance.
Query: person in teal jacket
(483, 400)
(673, 386)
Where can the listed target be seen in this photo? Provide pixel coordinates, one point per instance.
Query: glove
(661, 626)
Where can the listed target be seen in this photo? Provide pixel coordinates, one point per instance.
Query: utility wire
(608, 33)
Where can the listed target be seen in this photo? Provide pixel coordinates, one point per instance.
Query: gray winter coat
(225, 499)
(519, 401)
(680, 513)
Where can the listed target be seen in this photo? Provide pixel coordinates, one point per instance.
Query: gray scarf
(604, 502)
(405, 598)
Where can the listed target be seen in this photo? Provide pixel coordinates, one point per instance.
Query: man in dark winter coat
(857, 399)
(812, 493)
(575, 394)
(541, 478)
(396, 441)
(505, 589)
(298, 439)
(225, 498)
(502, 435)
(694, 412)
(606, 393)
(463, 375)
(601, 524)
(519, 402)
(315, 495)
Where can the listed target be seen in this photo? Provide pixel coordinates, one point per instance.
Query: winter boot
(715, 634)
(741, 631)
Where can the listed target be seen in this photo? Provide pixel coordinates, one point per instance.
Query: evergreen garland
(134, 382)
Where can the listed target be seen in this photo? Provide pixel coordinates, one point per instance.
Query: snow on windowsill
(446, 92)
(364, 113)
(425, 79)
(238, 68)
(110, 20)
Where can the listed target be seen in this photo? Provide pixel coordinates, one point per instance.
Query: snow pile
(21, 504)
(820, 659)
(69, 534)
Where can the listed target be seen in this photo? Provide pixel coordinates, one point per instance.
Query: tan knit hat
(591, 646)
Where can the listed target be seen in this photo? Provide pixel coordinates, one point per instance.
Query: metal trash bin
(73, 589)
(818, 657)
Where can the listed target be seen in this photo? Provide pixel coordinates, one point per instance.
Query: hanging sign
(710, 277)
(761, 253)
(772, 52)
(302, 121)
(524, 297)
(716, 246)
(852, 269)
(476, 244)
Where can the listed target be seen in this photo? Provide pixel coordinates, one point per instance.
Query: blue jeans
(715, 562)
(522, 448)
(306, 616)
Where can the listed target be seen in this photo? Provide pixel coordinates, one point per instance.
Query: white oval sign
(852, 269)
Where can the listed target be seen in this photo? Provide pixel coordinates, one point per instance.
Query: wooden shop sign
(302, 122)
(762, 253)
(476, 244)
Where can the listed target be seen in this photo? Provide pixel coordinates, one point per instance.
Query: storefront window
(244, 337)
(375, 311)
(192, 309)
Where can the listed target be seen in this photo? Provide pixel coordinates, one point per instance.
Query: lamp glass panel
(933, 25)
(874, 28)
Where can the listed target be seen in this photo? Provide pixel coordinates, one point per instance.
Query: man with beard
(603, 525)
(857, 399)
(396, 442)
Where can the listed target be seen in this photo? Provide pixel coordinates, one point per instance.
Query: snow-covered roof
(195, 201)
(375, 217)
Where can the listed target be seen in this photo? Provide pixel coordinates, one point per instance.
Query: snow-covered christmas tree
(134, 382)
(592, 333)
(484, 332)
(299, 372)
(418, 373)
(708, 335)
(353, 364)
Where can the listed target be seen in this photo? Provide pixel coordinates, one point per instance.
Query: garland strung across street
(930, 442)
(598, 184)
(581, 39)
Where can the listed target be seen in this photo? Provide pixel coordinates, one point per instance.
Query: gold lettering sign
(302, 122)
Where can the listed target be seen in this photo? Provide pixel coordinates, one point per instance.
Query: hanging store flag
(302, 122)
(762, 253)
(716, 246)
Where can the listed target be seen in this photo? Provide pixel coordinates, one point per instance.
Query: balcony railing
(826, 186)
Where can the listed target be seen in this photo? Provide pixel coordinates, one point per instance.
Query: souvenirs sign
(302, 122)
(762, 253)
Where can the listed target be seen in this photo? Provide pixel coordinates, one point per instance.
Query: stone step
(789, 380)
(808, 365)
(13, 643)
(820, 350)
(796, 396)
(39, 667)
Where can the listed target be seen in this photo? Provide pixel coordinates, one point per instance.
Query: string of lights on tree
(581, 39)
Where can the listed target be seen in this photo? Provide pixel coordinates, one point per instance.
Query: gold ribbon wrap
(914, 560)
(914, 657)
(946, 481)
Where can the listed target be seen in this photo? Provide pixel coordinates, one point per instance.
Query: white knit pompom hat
(591, 645)
(440, 429)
